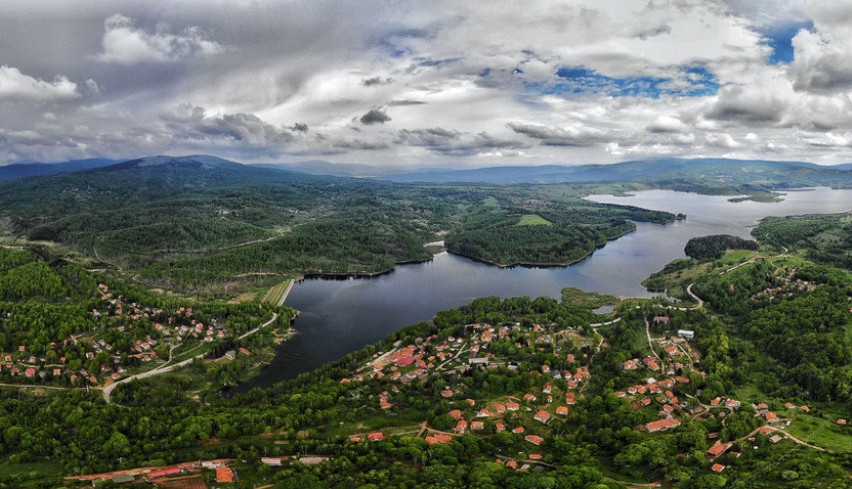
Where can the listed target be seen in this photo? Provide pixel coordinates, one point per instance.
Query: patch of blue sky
(578, 80)
(780, 39)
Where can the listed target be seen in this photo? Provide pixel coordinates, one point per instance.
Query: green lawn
(275, 293)
(820, 432)
(534, 220)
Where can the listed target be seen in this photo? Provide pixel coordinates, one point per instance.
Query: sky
(426, 84)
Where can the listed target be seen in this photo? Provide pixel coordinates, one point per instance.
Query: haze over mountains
(759, 174)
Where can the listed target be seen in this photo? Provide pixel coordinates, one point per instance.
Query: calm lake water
(341, 316)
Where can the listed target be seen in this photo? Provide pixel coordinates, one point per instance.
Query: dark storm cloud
(376, 80)
(375, 116)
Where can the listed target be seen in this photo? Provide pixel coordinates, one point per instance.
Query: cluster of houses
(432, 355)
(90, 359)
(787, 285)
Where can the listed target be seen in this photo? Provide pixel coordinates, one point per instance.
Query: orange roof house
(717, 467)
(224, 474)
(542, 416)
(535, 440)
(662, 425)
(718, 449)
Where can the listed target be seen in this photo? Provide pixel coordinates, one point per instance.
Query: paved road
(168, 368)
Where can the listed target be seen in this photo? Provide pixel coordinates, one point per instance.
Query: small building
(122, 479)
(718, 468)
(686, 333)
(231, 354)
(535, 440)
(662, 425)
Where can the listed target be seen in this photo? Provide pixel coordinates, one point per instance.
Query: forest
(825, 238)
(196, 224)
(713, 247)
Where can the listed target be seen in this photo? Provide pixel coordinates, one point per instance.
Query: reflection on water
(342, 315)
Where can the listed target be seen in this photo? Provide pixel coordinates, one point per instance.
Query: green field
(277, 292)
(820, 432)
(534, 220)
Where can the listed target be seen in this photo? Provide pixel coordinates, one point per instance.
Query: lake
(340, 316)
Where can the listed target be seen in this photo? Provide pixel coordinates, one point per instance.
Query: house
(499, 427)
(569, 398)
(224, 474)
(562, 411)
(477, 425)
(512, 464)
(542, 417)
(432, 440)
(163, 472)
(535, 456)
(447, 393)
(535, 440)
(518, 430)
(775, 438)
(377, 436)
(455, 414)
(461, 426)
(529, 397)
(717, 449)
(661, 319)
(662, 425)
(30, 372)
(772, 417)
(686, 333)
(717, 467)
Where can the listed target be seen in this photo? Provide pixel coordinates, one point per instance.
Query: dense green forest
(711, 247)
(825, 238)
(190, 224)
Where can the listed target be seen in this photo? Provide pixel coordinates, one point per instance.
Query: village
(128, 337)
(672, 363)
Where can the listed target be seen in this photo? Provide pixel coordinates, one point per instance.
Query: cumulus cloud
(666, 124)
(249, 129)
(452, 142)
(559, 136)
(753, 104)
(823, 59)
(375, 116)
(124, 43)
(15, 85)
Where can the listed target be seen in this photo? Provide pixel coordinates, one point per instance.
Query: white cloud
(124, 43)
(15, 85)
(823, 59)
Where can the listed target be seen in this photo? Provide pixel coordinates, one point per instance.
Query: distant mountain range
(22, 170)
(708, 171)
(705, 172)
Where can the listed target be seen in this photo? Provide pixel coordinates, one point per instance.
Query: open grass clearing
(534, 220)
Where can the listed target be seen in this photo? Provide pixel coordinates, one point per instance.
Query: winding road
(168, 368)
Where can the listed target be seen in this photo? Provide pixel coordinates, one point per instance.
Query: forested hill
(824, 238)
(198, 221)
(22, 170)
(706, 173)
